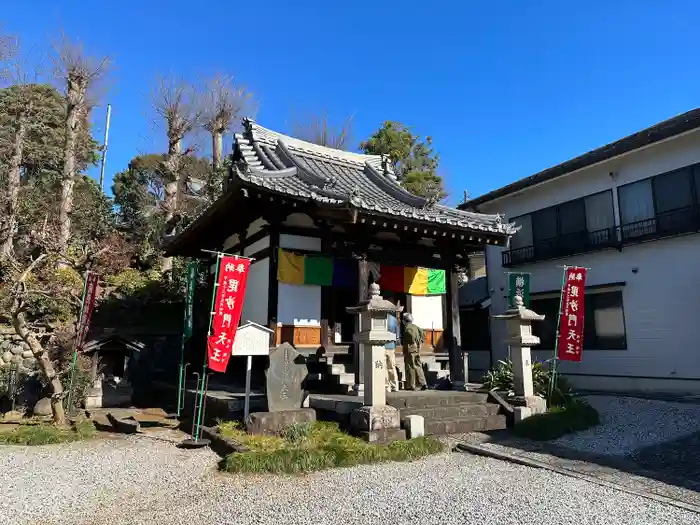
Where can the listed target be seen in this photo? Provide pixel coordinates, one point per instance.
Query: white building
(629, 211)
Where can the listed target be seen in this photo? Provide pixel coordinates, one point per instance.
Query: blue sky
(505, 88)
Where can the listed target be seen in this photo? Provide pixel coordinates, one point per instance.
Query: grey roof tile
(294, 167)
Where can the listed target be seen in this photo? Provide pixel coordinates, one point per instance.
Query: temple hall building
(322, 224)
(630, 212)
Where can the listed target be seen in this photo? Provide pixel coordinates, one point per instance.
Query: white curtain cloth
(599, 211)
(636, 202)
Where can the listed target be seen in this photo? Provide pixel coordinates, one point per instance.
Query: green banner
(519, 284)
(189, 298)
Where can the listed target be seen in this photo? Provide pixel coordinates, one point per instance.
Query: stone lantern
(520, 339)
(375, 421)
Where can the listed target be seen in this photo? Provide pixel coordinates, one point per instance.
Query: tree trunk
(217, 150)
(173, 190)
(45, 365)
(9, 222)
(75, 102)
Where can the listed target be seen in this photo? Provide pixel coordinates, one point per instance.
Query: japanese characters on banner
(519, 285)
(570, 338)
(228, 303)
(88, 306)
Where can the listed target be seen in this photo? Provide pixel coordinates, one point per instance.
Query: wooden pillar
(358, 358)
(272, 282)
(452, 335)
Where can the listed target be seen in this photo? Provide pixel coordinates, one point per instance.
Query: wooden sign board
(252, 339)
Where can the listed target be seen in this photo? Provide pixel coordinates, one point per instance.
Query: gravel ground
(630, 424)
(143, 481)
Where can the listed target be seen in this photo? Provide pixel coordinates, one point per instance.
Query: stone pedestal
(526, 406)
(520, 338)
(377, 424)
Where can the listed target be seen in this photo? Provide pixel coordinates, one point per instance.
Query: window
(662, 205)
(572, 227)
(604, 321)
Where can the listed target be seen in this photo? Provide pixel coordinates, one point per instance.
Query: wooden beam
(272, 282)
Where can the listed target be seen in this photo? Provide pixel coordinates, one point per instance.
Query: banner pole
(69, 402)
(186, 333)
(553, 377)
(199, 415)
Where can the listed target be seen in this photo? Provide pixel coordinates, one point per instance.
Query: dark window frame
(653, 228)
(578, 242)
(599, 343)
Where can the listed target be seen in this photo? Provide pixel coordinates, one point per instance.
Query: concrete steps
(450, 412)
(465, 425)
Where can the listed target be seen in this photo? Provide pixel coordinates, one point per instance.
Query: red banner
(230, 292)
(87, 307)
(570, 340)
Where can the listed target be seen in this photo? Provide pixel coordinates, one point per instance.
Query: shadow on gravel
(671, 469)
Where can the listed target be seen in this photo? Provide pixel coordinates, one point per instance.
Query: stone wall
(15, 351)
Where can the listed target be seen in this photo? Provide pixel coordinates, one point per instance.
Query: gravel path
(629, 424)
(137, 481)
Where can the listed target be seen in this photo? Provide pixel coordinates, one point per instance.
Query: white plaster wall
(297, 242)
(255, 302)
(256, 226)
(257, 246)
(661, 300)
(230, 242)
(427, 311)
(299, 304)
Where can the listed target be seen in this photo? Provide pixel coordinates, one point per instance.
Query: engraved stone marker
(285, 378)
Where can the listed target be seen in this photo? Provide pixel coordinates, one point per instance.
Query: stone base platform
(445, 412)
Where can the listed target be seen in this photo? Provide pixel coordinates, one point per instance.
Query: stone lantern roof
(375, 303)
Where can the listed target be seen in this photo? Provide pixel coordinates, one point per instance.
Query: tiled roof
(294, 167)
(667, 129)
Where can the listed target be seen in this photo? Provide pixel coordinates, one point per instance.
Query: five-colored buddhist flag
(304, 269)
(414, 281)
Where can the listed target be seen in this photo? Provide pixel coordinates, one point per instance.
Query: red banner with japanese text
(87, 307)
(228, 303)
(570, 338)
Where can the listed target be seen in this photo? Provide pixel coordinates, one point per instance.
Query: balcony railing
(563, 245)
(667, 224)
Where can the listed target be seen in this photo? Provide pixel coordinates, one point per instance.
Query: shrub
(308, 447)
(501, 378)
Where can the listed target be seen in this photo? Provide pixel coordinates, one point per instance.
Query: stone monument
(375, 421)
(520, 338)
(285, 379)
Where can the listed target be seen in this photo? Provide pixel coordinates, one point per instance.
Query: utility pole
(104, 149)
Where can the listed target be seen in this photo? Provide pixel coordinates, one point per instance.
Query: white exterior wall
(299, 305)
(661, 298)
(427, 311)
(256, 292)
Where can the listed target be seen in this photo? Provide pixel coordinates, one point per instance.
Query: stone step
(465, 425)
(340, 368)
(463, 410)
(344, 379)
(334, 359)
(431, 398)
(433, 377)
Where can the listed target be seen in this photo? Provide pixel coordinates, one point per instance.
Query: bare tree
(223, 104)
(78, 73)
(178, 104)
(318, 130)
